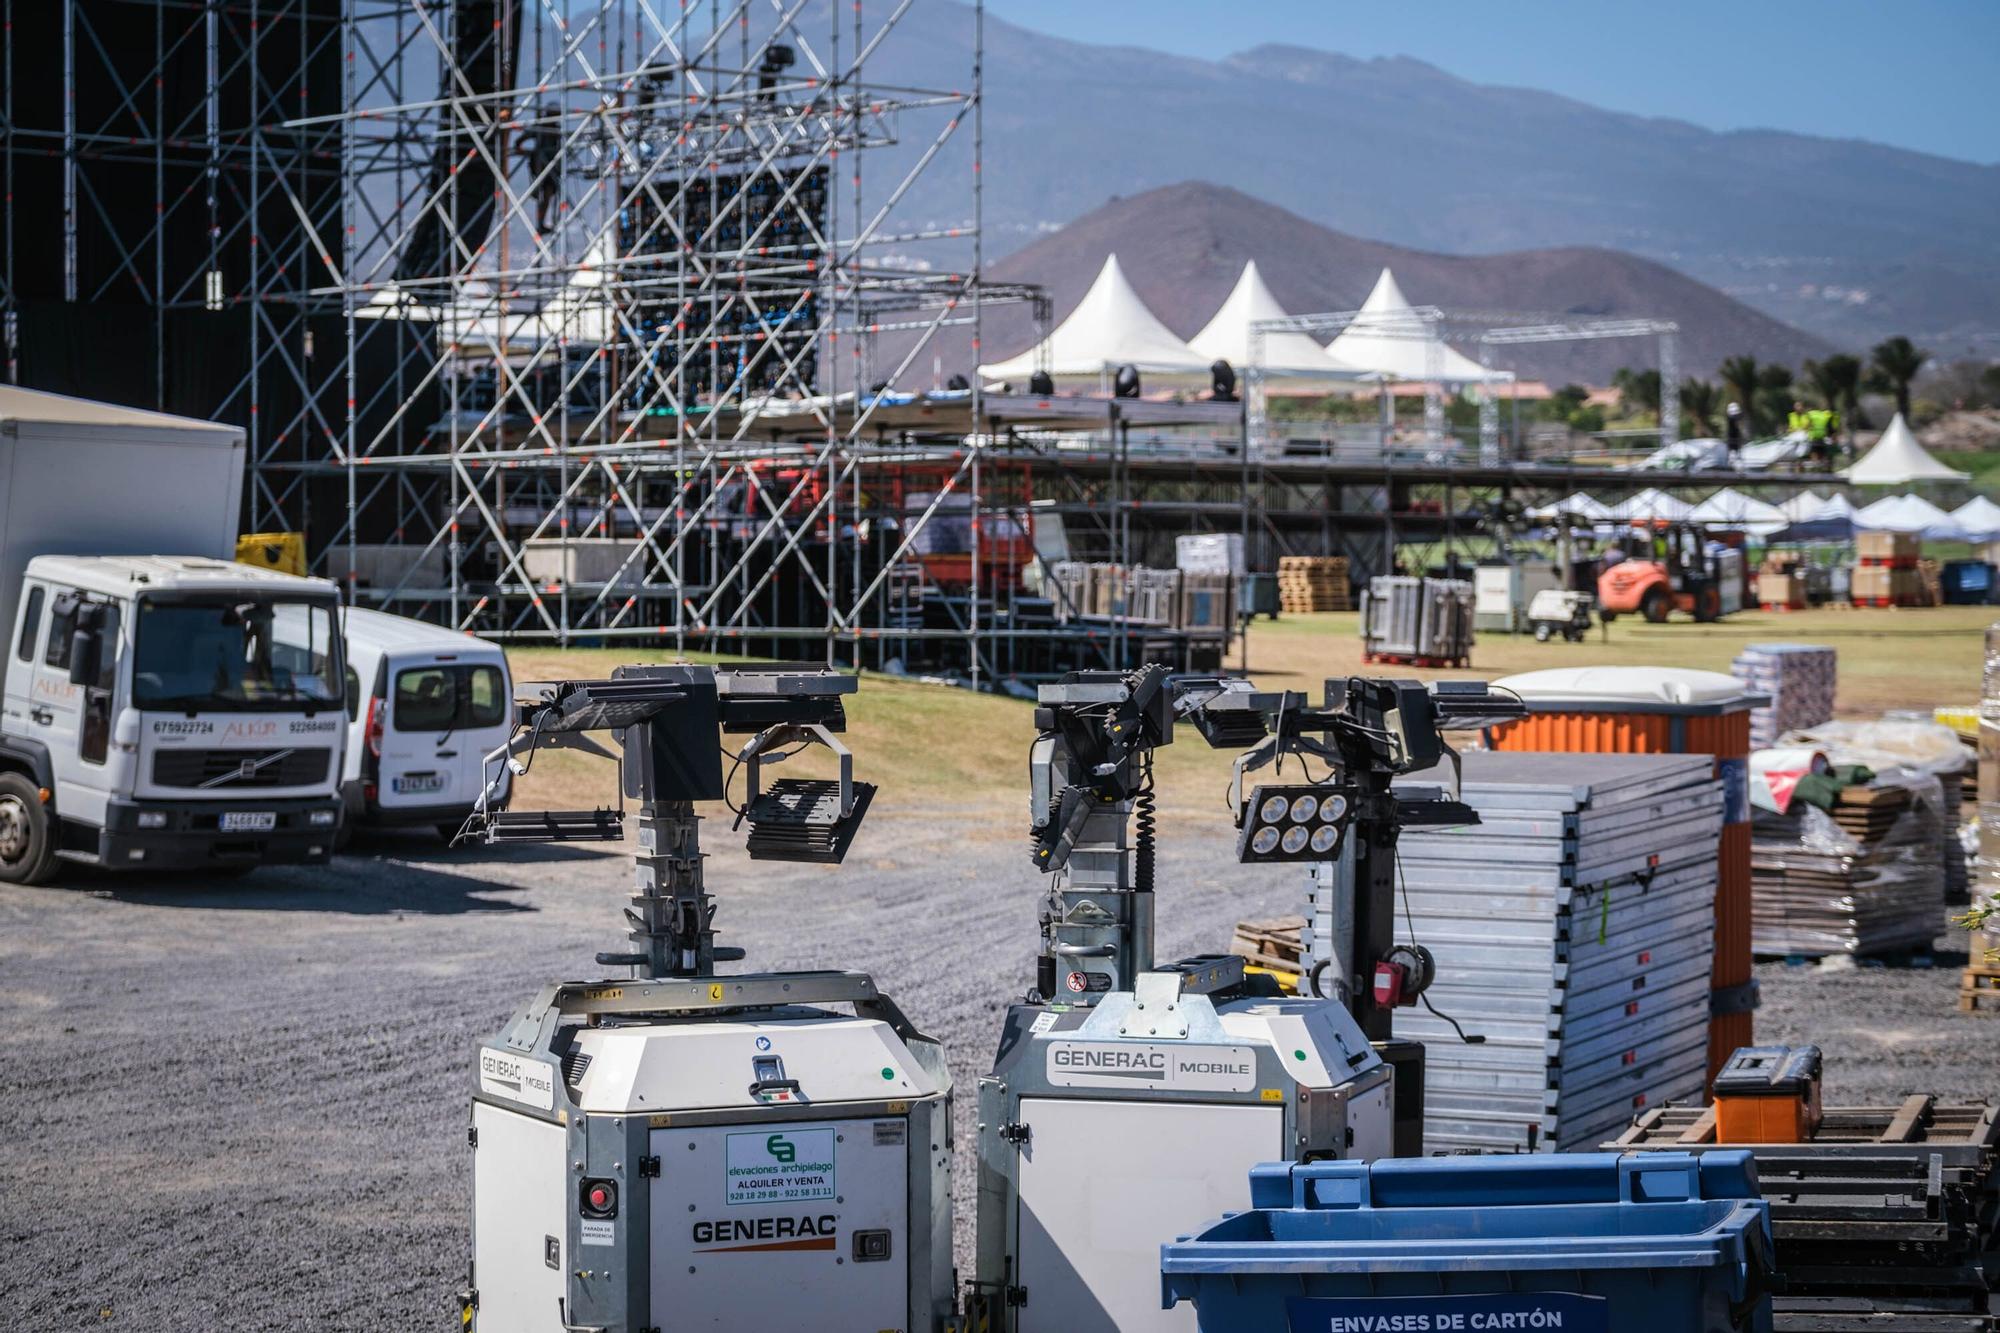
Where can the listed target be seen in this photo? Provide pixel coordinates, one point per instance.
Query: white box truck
(162, 711)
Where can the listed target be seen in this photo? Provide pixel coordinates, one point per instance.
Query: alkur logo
(781, 1149)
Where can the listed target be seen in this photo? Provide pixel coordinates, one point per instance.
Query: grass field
(963, 756)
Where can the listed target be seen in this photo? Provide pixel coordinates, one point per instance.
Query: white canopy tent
(1226, 337)
(1897, 459)
(1578, 504)
(1979, 519)
(1908, 513)
(1652, 503)
(1731, 509)
(1110, 327)
(1389, 337)
(1802, 506)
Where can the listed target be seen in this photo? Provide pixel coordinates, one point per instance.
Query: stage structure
(1433, 330)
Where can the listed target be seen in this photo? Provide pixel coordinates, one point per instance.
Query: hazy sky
(1921, 74)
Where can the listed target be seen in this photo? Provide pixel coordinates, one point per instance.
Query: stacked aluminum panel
(1798, 677)
(1412, 619)
(1574, 930)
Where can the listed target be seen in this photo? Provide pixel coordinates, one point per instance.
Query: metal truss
(1433, 328)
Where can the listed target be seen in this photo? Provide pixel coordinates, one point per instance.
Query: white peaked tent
(1227, 336)
(1389, 337)
(1732, 509)
(1898, 459)
(1800, 507)
(1110, 327)
(1906, 513)
(1579, 504)
(1979, 517)
(1652, 503)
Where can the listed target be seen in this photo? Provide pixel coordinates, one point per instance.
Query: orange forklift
(1667, 567)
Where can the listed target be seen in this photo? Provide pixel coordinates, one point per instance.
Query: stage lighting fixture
(1298, 822)
(1222, 382)
(1126, 384)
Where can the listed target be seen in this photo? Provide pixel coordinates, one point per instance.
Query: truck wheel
(1656, 606)
(27, 849)
(1708, 605)
(1543, 633)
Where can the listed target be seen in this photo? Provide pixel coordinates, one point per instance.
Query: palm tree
(1698, 400)
(1837, 380)
(1638, 391)
(1739, 376)
(1895, 363)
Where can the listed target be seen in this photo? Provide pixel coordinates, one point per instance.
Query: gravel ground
(243, 1106)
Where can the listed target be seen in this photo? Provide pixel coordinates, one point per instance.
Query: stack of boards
(1574, 930)
(1876, 887)
(1308, 583)
(1799, 679)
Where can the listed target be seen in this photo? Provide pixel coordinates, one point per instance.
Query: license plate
(416, 784)
(249, 821)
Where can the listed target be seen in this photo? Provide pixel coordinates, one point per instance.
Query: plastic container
(1665, 710)
(1768, 1094)
(1585, 1243)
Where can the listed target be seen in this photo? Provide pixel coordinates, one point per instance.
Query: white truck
(161, 711)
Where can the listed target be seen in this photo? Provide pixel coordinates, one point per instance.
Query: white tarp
(1731, 509)
(1579, 504)
(1110, 327)
(1652, 504)
(1226, 337)
(1683, 456)
(1898, 459)
(1388, 336)
(1979, 519)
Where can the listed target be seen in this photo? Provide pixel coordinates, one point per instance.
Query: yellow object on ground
(1963, 719)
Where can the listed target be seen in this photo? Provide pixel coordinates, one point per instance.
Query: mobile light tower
(1129, 1099)
(676, 1147)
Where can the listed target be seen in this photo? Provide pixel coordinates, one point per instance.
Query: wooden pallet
(1272, 944)
(1979, 988)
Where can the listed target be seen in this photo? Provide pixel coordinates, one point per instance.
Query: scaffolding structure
(609, 320)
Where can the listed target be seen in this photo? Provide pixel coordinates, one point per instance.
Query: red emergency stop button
(599, 1198)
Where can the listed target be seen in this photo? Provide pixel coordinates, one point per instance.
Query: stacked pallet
(1573, 930)
(1884, 1220)
(1274, 945)
(1885, 570)
(1799, 678)
(1308, 583)
(1865, 879)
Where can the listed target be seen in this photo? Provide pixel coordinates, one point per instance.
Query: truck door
(27, 653)
(55, 707)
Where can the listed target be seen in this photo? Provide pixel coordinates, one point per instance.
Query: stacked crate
(1866, 879)
(1885, 570)
(1573, 930)
(1798, 677)
(1308, 583)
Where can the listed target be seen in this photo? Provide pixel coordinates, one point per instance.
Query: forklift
(1672, 567)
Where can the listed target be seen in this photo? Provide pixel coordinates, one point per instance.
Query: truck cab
(169, 712)
(425, 706)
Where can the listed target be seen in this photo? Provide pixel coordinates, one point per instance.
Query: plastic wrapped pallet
(1574, 931)
(1800, 680)
(1865, 878)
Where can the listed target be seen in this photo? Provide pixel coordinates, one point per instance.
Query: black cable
(1410, 924)
(1144, 820)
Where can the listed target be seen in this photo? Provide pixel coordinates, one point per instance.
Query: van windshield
(447, 697)
(235, 654)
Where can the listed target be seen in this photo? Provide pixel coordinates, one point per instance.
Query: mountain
(1848, 239)
(1183, 246)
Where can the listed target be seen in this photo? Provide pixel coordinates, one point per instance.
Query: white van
(425, 706)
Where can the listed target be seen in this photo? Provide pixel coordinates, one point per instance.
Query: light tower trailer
(1128, 1100)
(682, 1149)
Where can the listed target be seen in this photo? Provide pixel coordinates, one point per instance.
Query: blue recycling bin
(1582, 1243)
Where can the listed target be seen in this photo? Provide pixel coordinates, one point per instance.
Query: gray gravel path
(242, 1106)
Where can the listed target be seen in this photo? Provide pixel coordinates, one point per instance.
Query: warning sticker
(595, 1232)
(790, 1166)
